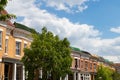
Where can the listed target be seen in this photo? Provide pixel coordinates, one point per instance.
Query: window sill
(6, 53)
(1, 49)
(0, 60)
(18, 56)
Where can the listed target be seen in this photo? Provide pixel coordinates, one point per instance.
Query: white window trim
(76, 57)
(18, 40)
(18, 55)
(6, 54)
(25, 42)
(1, 29)
(1, 48)
(7, 37)
(0, 60)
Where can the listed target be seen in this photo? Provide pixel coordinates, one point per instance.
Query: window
(19, 72)
(6, 45)
(86, 65)
(90, 66)
(0, 39)
(95, 66)
(81, 64)
(25, 45)
(18, 48)
(76, 76)
(76, 65)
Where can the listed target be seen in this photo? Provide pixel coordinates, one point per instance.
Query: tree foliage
(49, 53)
(104, 73)
(116, 76)
(4, 17)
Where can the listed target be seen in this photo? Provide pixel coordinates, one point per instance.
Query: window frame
(95, 66)
(86, 65)
(18, 48)
(76, 63)
(6, 45)
(1, 32)
(82, 64)
(91, 66)
(25, 45)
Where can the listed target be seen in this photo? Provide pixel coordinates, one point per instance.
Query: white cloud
(113, 58)
(116, 29)
(67, 5)
(84, 36)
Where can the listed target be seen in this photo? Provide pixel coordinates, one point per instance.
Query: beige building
(13, 40)
(15, 37)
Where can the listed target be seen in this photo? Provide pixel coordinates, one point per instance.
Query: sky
(91, 25)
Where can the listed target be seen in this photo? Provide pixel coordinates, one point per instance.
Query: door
(19, 71)
(8, 71)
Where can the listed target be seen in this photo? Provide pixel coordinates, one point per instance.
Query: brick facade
(10, 66)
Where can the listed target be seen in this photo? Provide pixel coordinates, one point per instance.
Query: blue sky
(103, 14)
(91, 25)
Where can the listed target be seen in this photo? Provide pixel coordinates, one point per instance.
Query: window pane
(90, 66)
(18, 48)
(86, 65)
(0, 39)
(25, 45)
(6, 45)
(76, 65)
(95, 66)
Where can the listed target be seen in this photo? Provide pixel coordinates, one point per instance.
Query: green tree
(104, 73)
(49, 53)
(6, 16)
(116, 76)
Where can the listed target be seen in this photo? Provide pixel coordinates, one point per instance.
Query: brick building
(84, 65)
(117, 67)
(13, 39)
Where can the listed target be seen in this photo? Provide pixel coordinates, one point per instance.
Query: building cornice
(3, 24)
(19, 33)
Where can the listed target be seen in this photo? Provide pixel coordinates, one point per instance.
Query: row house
(105, 63)
(84, 65)
(13, 39)
(117, 67)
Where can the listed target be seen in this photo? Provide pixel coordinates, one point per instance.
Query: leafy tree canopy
(104, 73)
(50, 53)
(116, 76)
(3, 14)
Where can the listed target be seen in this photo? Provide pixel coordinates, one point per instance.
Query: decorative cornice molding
(21, 31)
(3, 24)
